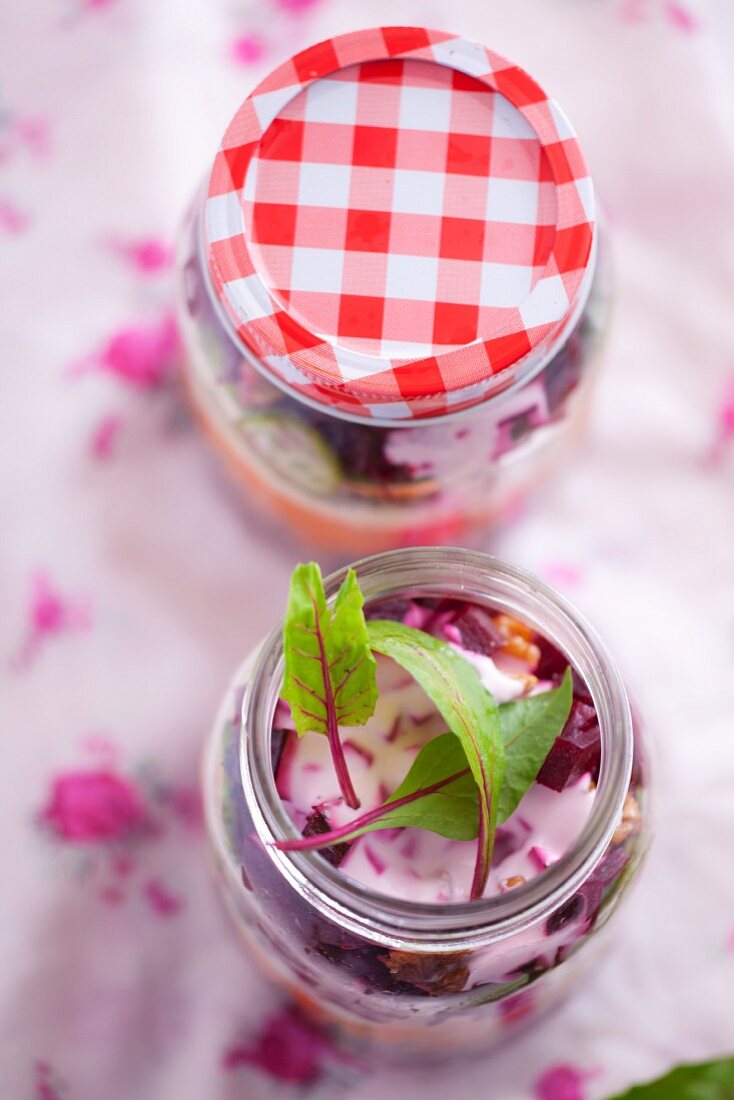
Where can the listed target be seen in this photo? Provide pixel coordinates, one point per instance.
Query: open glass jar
(419, 978)
(391, 294)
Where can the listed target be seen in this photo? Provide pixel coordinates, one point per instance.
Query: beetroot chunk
(576, 752)
(317, 825)
(478, 631)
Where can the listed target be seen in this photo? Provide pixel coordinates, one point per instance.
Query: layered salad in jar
(434, 754)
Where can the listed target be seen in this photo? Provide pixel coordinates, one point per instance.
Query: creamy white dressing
(414, 864)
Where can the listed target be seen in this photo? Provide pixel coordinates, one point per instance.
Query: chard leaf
(704, 1081)
(453, 810)
(329, 669)
(439, 792)
(469, 711)
(529, 727)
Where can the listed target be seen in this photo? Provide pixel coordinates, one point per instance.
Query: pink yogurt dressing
(413, 864)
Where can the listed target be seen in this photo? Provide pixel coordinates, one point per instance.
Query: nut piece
(432, 974)
(511, 882)
(518, 640)
(631, 822)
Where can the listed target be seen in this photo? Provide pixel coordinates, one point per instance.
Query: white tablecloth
(132, 582)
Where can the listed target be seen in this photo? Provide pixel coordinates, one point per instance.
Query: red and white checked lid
(395, 217)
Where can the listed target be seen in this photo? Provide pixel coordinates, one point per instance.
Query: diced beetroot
(585, 904)
(576, 752)
(552, 663)
(283, 719)
(283, 750)
(477, 630)
(317, 825)
(611, 865)
(394, 610)
(542, 857)
(442, 625)
(508, 841)
(580, 689)
(277, 743)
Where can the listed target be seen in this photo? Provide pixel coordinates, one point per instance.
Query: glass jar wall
(412, 977)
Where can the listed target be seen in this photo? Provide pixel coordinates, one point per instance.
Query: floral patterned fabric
(132, 580)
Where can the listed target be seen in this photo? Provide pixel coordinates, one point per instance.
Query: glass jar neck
(481, 579)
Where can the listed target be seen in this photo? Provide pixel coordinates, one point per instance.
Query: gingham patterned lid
(396, 217)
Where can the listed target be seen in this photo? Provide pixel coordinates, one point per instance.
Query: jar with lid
(388, 950)
(391, 291)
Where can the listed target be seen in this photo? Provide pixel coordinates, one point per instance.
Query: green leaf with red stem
(438, 794)
(329, 668)
(469, 710)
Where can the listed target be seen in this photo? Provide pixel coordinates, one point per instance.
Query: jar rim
(399, 924)
(508, 382)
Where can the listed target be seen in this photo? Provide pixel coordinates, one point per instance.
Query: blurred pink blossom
(149, 255)
(142, 355)
(161, 900)
(633, 11)
(296, 5)
(724, 436)
(563, 574)
(563, 1082)
(680, 17)
(49, 613)
(105, 436)
(46, 1083)
(33, 133)
(288, 1047)
(13, 220)
(28, 132)
(88, 806)
(247, 49)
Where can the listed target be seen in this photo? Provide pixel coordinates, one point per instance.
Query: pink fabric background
(131, 582)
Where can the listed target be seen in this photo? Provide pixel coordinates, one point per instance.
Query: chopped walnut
(433, 974)
(518, 640)
(631, 821)
(528, 683)
(511, 882)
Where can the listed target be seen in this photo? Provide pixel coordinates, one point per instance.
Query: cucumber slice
(293, 450)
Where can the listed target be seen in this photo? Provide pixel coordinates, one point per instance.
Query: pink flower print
(563, 1082)
(295, 6)
(633, 11)
(724, 424)
(102, 748)
(680, 18)
(24, 132)
(48, 1086)
(164, 903)
(13, 220)
(85, 807)
(50, 613)
(563, 574)
(104, 437)
(247, 49)
(288, 1048)
(185, 804)
(730, 939)
(148, 256)
(142, 355)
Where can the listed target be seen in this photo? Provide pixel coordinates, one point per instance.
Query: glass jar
(391, 293)
(412, 978)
